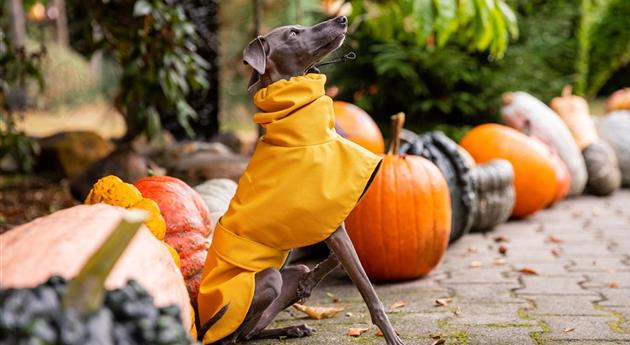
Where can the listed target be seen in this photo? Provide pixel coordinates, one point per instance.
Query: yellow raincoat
(301, 183)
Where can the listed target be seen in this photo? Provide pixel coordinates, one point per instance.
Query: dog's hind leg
(297, 284)
(268, 288)
(340, 244)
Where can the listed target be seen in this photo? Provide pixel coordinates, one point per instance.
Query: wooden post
(62, 23)
(17, 23)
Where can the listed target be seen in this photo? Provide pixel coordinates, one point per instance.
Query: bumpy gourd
(604, 176)
(494, 189)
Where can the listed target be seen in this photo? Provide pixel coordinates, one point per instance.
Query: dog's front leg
(341, 245)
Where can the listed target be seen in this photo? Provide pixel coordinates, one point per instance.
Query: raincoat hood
(300, 184)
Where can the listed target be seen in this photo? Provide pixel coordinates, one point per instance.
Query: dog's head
(290, 51)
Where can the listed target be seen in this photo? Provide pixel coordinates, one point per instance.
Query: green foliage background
(450, 87)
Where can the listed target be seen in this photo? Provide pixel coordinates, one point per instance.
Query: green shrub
(454, 86)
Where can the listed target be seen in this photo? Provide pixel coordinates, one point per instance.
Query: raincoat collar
(296, 112)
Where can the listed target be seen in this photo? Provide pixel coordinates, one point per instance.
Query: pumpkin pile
(401, 227)
(178, 216)
(602, 167)
(455, 167)
(535, 180)
(532, 117)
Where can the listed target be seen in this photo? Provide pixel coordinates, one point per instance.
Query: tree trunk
(17, 23)
(62, 23)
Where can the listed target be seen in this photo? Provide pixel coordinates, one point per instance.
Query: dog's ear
(255, 55)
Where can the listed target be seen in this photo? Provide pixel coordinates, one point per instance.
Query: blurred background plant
(17, 67)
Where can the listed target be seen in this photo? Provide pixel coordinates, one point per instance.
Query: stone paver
(579, 248)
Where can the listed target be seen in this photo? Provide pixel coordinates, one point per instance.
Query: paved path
(580, 250)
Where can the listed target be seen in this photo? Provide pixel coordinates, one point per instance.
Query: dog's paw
(300, 331)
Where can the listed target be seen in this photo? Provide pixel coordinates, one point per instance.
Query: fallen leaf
(500, 261)
(317, 313)
(439, 341)
(553, 239)
(356, 331)
(613, 285)
(528, 270)
(397, 305)
(500, 239)
(556, 251)
(378, 333)
(503, 249)
(475, 264)
(569, 329)
(472, 249)
(443, 302)
(457, 311)
(333, 297)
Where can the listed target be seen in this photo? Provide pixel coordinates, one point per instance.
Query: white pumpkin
(217, 193)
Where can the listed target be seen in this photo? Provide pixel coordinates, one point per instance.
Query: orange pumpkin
(401, 227)
(563, 177)
(188, 224)
(354, 124)
(575, 113)
(619, 100)
(535, 181)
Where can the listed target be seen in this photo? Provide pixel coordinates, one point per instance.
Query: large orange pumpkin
(354, 124)
(535, 181)
(401, 227)
(188, 224)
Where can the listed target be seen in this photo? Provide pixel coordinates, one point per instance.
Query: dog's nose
(343, 20)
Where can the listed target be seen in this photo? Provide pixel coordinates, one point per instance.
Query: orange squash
(619, 100)
(354, 124)
(575, 113)
(535, 181)
(401, 227)
(188, 224)
(563, 177)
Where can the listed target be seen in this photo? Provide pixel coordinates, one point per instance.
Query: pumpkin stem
(566, 90)
(86, 291)
(507, 98)
(398, 121)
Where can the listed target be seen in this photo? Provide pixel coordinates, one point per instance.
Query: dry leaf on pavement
(378, 333)
(556, 251)
(443, 302)
(475, 264)
(553, 239)
(528, 270)
(356, 331)
(503, 249)
(333, 297)
(499, 239)
(613, 285)
(397, 305)
(500, 261)
(439, 341)
(569, 329)
(317, 313)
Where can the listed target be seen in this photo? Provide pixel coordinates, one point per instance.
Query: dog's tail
(206, 326)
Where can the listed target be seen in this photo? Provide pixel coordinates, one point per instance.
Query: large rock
(72, 152)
